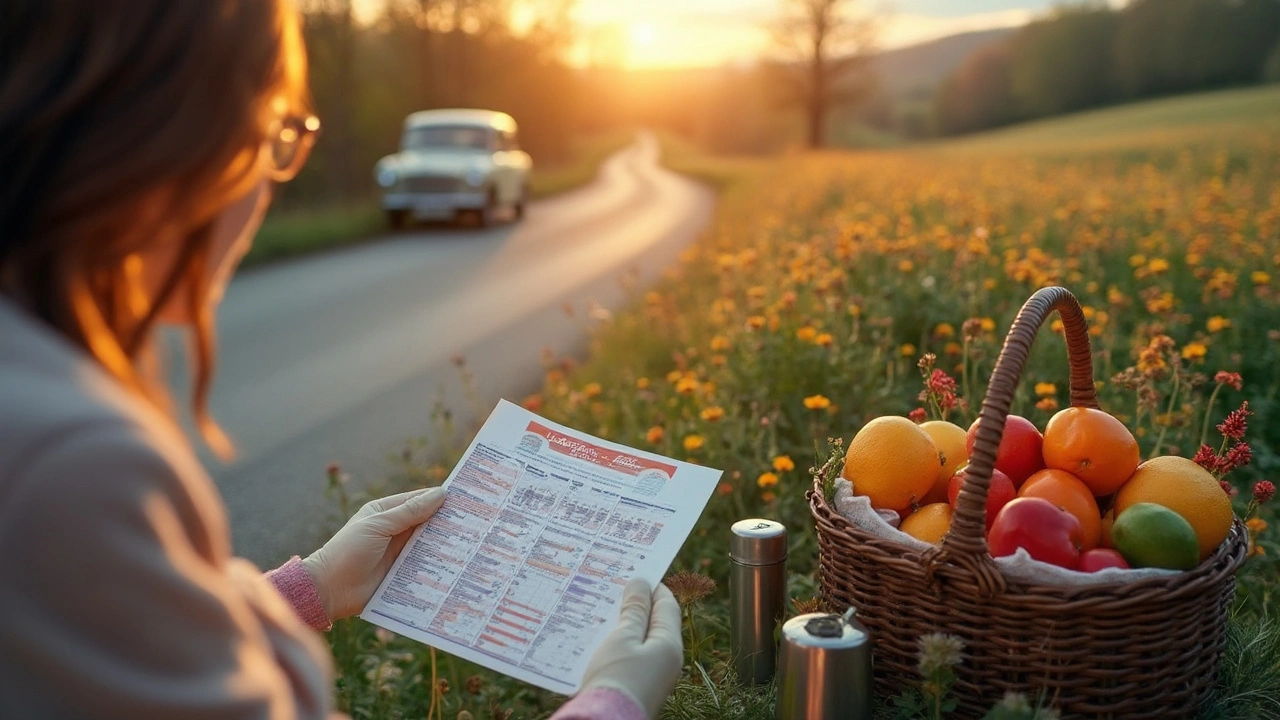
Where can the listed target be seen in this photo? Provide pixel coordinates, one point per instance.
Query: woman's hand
(644, 655)
(349, 568)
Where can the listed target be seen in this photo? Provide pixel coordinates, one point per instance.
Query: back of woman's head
(125, 123)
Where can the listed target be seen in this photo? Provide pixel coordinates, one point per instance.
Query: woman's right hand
(644, 654)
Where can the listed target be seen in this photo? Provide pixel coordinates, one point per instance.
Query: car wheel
(520, 205)
(397, 219)
(488, 215)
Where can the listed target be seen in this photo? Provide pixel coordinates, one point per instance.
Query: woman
(138, 143)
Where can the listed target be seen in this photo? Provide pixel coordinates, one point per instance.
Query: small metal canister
(824, 669)
(758, 597)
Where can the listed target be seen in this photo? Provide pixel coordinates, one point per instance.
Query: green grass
(290, 232)
(1152, 122)
(718, 171)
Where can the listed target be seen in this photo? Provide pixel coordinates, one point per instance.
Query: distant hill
(917, 70)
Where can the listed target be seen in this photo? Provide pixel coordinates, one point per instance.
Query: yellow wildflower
(1217, 323)
(712, 414)
(769, 497)
(855, 310)
(755, 322)
(686, 385)
(720, 343)
(817, 402)
(907, 350)
(642, 383)
(944, 330)
(767, 480)
(989, 284)
(654, 435)
(591, 389)
(1045, 389)
(988, 325)
(906, 266)
(823, 339)
(693, 442)
(783, 463)
(953, 348)
(1047, 404)
(807, 333)
(1194, 351)
(1260, 277)
(1157, 266)
(1256, 524)
(674, 376)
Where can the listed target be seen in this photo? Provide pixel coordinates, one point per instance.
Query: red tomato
(1047, 532)
(999, 492)
(1020, 454)
(1099, 558)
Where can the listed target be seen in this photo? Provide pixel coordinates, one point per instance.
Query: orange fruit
(949, 439)
(1071, 494)
(1093, 446)
(891, 461)
(929, 523)
(1185, 488)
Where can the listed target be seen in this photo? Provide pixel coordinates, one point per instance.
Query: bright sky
(690, 33)
(698, 33)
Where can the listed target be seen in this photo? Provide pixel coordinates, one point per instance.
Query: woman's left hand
(349, 568)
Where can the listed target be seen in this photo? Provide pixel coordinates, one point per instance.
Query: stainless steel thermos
(824, 669)
(758, 596)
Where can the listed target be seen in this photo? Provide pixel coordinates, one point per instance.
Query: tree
(828, 43)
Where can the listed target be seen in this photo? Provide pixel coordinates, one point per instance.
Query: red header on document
(573, 447)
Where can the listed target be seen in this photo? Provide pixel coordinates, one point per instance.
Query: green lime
(1151, 535)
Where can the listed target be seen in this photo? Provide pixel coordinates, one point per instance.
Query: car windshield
(455, 137)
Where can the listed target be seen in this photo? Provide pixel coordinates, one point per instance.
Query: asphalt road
(340, 357)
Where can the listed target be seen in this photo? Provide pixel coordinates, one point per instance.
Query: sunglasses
(291, 139)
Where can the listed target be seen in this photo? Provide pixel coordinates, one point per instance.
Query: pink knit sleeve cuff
(601, 704)
(297, 587)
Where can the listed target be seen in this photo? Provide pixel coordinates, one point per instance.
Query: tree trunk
(817, 109)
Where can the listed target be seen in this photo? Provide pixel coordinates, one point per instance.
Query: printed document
(523, 567)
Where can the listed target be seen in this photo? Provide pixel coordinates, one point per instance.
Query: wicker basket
(1145, 649)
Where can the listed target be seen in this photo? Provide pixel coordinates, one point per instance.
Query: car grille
(432, 184)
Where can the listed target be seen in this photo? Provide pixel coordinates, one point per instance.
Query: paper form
(523, 567)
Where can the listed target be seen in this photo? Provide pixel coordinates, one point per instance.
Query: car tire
(521, 203)
(397, 219)
(488, 215)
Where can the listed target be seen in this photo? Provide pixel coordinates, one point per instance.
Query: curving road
(339, 357)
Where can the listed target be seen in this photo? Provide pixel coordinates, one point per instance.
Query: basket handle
(968, 526)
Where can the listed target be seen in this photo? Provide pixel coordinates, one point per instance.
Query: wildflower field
(805, 310)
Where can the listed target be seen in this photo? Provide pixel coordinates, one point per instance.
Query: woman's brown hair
(125, 123)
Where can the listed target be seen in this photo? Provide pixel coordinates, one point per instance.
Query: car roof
(461, 116)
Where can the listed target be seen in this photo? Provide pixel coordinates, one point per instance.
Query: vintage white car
(454, 162)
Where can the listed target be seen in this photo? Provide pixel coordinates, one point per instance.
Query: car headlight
(386, 177)
(475, 177)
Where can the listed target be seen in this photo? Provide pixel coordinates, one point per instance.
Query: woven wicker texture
(1146, 649)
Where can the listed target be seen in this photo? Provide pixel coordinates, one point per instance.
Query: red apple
(1099, 558)
(1020, 454)
(1047, 532)
(999, 492)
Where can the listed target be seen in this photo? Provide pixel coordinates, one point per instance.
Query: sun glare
(642, 35)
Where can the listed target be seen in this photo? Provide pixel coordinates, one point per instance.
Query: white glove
(349, 568)
(644, 655)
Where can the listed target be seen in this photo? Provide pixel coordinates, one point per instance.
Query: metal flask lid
(758, 542)
(825, 669)
(822, 630)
